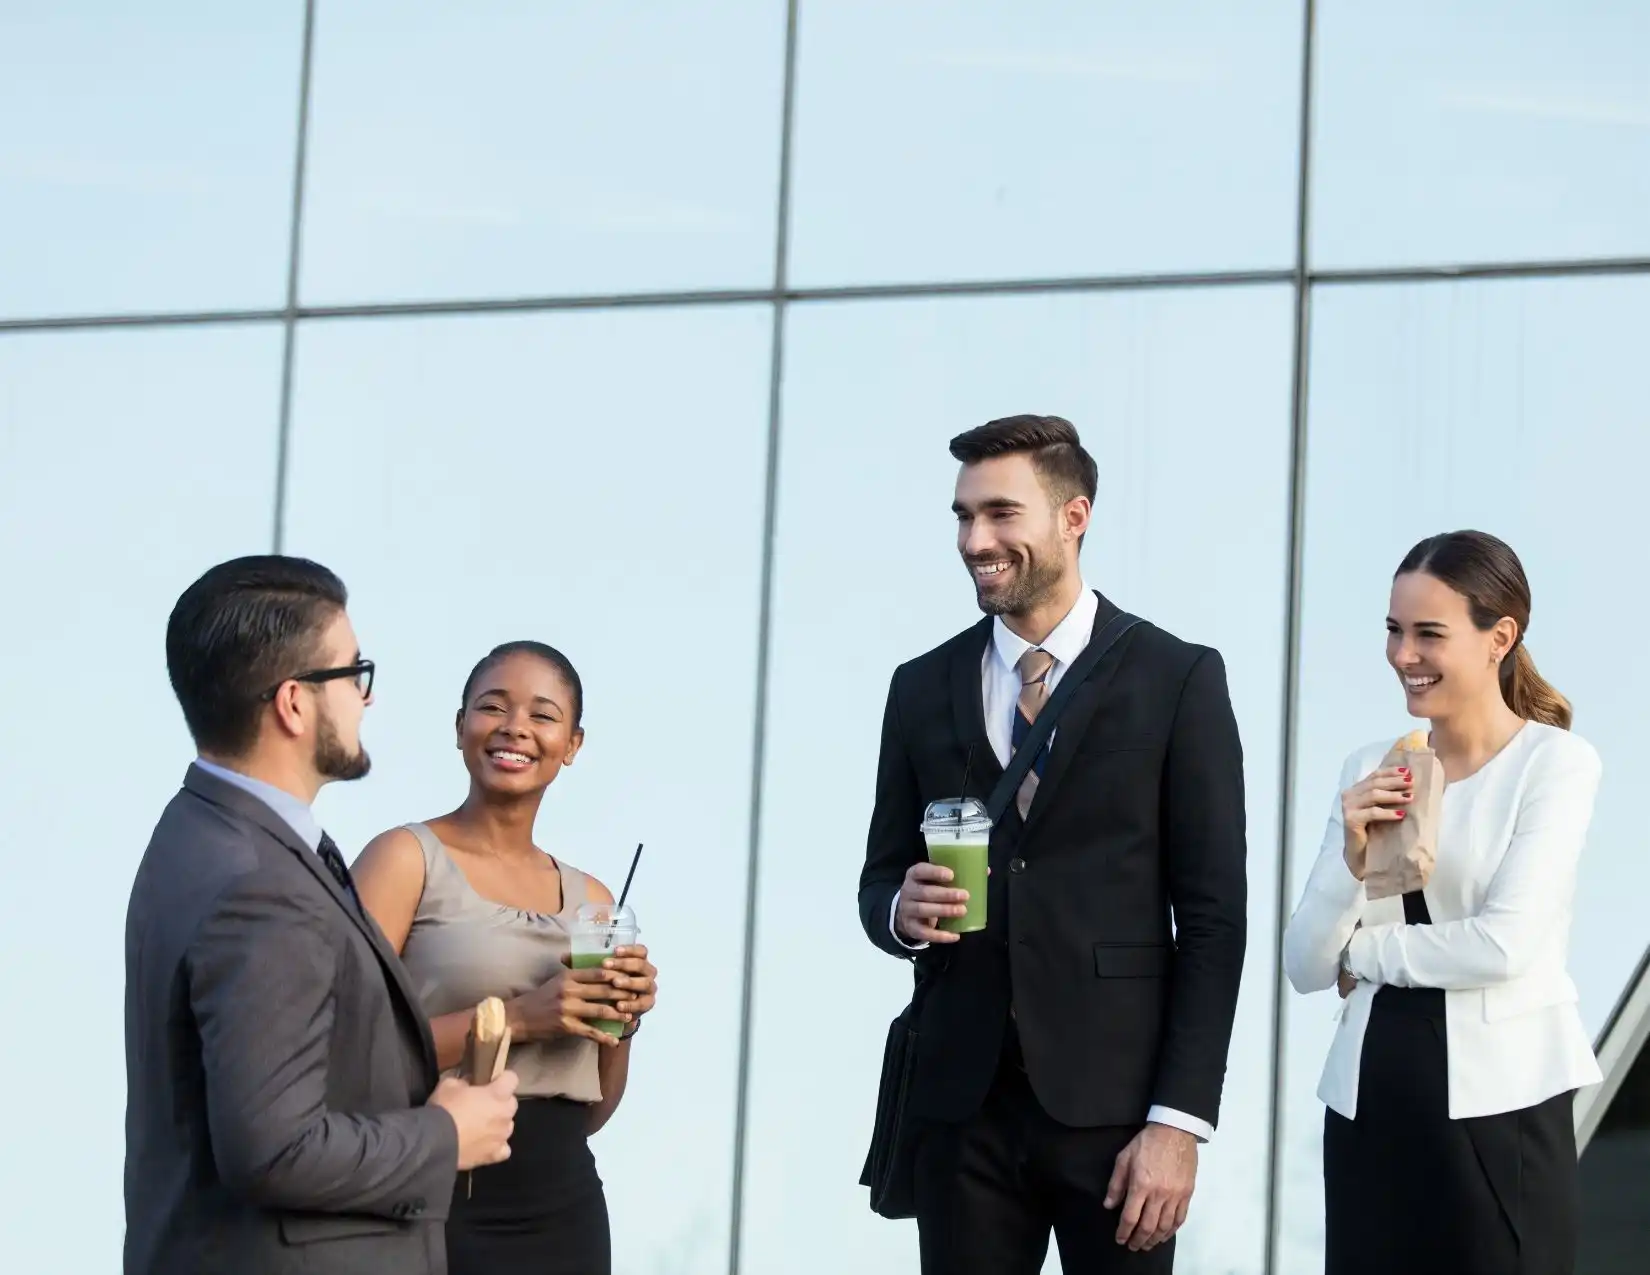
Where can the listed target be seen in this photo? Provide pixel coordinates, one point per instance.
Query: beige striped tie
(1034, 668)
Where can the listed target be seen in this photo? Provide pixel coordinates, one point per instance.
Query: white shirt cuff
(893, 910)
(1202, 1130)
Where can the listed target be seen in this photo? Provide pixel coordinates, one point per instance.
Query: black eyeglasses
(361, 671)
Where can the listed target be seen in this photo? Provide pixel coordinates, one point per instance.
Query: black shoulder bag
(890, 1164)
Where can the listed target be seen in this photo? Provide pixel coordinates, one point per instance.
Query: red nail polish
(1401, 814)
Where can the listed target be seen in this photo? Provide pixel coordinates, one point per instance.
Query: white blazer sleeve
(1529, 893)
(1330, 905)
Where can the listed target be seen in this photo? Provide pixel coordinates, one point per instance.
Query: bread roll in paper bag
(487, 1048)
(1402, 851)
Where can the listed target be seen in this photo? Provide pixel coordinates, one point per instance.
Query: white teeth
(523, 758)
(1420, 683)
(991, 568)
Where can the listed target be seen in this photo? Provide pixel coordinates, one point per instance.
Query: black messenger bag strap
(1026, 754)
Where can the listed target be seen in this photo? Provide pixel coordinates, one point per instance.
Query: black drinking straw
(607, 940)
(968, 767)
(631, 875)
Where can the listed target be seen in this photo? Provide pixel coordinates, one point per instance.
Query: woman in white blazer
(1449, 1143)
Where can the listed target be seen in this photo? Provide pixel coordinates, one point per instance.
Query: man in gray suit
(282, 1106)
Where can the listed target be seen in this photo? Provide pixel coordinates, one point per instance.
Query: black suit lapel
(968, 709)
(249, 807)
(1074, 722)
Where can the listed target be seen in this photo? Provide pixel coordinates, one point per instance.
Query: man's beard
(333, 760)
(1034, 580)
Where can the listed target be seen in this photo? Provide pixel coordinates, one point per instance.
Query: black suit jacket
(277, 1062)
(1138, 822)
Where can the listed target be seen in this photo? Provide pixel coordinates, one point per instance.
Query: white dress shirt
(1000, 694)
(1500, 899)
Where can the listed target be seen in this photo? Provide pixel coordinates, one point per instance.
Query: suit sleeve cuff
(1202, 1130)
(893, 910)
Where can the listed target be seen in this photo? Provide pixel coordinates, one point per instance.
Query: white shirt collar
(1065, 643)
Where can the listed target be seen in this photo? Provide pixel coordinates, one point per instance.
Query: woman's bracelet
(631, 1029)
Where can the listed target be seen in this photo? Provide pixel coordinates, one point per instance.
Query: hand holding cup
(635, 975)
(926, 898)
(570, 1004)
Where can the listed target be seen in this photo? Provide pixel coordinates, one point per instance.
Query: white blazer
(1501, 898)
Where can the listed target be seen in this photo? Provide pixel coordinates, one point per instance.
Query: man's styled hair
(244, 627)
(1066, 470)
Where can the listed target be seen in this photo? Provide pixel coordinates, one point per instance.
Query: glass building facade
(640, 328)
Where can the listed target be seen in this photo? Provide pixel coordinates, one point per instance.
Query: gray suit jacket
(277, 1062)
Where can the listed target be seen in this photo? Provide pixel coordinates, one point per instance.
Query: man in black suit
(1071, 1054)
(282, 1110)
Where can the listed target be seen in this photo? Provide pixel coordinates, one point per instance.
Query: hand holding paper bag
(1401, 853)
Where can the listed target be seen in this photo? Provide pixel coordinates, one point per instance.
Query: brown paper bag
(486, 1049)
(488, 1046)
(1402, 852)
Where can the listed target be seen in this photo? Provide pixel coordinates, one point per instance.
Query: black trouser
(990, 1190)
(541, 1211)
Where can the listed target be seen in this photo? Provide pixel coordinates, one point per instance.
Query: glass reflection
(516, 149)
(990, 139)
(1512, 407)
(593, 480)
(1481, 132)
(154, 170)
(105, 517)
(1183, 399)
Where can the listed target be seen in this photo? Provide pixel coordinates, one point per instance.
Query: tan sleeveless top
(463, 948)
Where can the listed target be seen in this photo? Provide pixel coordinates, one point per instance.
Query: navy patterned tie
(1034, 666)
(334, 860)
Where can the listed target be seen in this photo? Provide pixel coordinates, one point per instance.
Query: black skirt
(1408, 1189)
(542, 1211)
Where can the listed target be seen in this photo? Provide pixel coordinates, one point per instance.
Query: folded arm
(1530, 892)
(1205, 849)
(262, 976)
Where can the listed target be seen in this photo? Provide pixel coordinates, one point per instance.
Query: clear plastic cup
(958, 833)
(597, 930)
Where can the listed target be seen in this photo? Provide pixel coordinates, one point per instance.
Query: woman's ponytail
(1529, 694)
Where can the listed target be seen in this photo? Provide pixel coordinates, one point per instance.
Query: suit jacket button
(1016, 865)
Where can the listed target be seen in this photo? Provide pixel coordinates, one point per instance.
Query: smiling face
(1443, 660)
(518, 727)
(1016, 540)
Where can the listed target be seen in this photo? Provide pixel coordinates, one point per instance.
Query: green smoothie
(967, 861)
(593, 961)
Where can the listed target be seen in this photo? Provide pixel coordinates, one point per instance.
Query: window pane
(105, 518)
(155, 168)
(511, 149)
(1183, 399)
(480, 480)
(1615, 1180)
(1481, 131)
(1027, 138)
(1516, 408)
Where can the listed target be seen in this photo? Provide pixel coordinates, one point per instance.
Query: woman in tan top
(475, 910)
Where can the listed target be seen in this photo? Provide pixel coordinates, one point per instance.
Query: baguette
(489, 1043)
(1414, 742)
